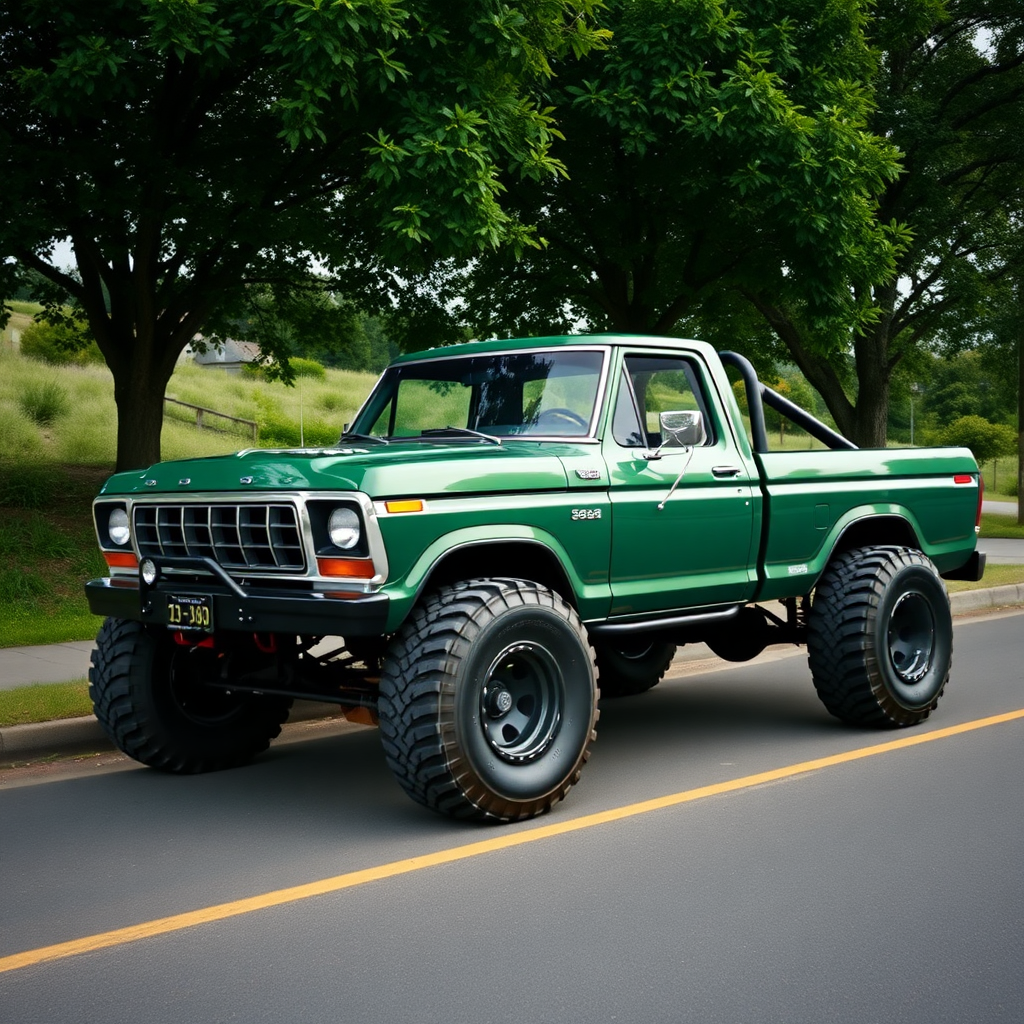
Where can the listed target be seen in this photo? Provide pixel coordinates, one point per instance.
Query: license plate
(187, 612)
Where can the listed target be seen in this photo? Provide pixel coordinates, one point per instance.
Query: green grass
(995, 576)
(993, 525)
(44, 703)
(55, 455)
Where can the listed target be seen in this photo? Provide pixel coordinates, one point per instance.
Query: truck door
(696, 546)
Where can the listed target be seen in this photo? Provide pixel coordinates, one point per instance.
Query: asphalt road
(881, 885)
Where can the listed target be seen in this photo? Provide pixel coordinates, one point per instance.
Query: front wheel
(488, 700)
(153, 699)
(880, 637)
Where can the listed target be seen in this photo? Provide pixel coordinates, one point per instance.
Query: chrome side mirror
(682, 429)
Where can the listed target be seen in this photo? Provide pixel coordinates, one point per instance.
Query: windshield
(530, 394)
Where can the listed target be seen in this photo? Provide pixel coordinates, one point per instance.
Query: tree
(189, 149)
(948, 94)
(712, 145)
(986, 440)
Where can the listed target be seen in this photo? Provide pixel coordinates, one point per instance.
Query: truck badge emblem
(589, 474)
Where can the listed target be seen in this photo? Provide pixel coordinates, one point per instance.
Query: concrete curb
(70, 736)
(84, 735)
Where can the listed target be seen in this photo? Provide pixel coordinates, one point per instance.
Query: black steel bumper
(248, 611)
(972, 570)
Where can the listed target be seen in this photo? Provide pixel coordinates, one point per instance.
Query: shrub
(277, 433)
(986, 440)
(60, 345)
(43, 401)
(20, 440)
(307, 368)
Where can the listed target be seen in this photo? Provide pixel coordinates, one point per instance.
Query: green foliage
(190, 150)
(986, 440)
(307, 368)
(948, 93)
(44, 401)
(60, 344)
(711, 146)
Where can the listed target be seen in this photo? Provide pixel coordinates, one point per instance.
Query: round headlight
(148, 571)
(343, 528)
(118, 529)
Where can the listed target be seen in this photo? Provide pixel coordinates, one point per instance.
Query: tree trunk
(140, 419)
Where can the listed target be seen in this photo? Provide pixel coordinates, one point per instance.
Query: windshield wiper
(459, 432)
(352, 436)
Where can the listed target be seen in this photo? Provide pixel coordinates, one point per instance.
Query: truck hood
(408, 468)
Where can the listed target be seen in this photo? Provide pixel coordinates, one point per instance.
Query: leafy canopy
(189, 148)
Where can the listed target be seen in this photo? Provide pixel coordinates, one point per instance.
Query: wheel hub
(498, 700)
(521, 702)
(911, 638)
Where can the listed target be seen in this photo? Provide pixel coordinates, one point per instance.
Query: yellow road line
(505, 841)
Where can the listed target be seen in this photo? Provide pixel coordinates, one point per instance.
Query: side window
(626, 427)
(656, 384)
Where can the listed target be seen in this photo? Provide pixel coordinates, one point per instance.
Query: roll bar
(759, 395)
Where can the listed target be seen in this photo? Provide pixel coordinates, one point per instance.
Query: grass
(57, 446)
(994, 525)
(44, 703)
(995, 576)
(47, 551)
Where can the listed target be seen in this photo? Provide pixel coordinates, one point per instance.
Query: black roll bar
(759, 395)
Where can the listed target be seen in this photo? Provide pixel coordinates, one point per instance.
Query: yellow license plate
(187, 612)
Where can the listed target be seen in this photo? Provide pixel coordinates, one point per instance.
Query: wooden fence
(202, 414)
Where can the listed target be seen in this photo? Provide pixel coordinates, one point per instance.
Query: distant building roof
(228, 354)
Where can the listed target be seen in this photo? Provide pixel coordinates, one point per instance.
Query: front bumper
(245, 610)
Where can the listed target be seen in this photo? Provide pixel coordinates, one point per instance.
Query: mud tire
(880, 637)
(148, 695)
(488, 700)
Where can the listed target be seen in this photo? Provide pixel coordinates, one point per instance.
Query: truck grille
(257, 537)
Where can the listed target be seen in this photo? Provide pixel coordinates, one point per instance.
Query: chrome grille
(253, 537)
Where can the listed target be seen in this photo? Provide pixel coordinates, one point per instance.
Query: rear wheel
(153, 699)
(632, 666)
(488, 700)
(880, 637)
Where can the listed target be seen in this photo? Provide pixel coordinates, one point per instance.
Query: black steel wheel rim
(189, 675)
(521, 702)
(911, 640)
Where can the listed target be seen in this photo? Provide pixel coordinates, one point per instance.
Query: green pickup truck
(505, 527)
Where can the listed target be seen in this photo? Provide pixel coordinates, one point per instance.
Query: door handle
(721, 471)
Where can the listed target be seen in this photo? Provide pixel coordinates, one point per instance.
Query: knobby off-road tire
(150, 697)
(880, 637)
(488, 700)
(631, 667)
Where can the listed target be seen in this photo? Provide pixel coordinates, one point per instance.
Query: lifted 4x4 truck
(504, 526)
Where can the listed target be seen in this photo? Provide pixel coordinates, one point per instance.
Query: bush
(986, 440)
(59, 345)
(307, 368)
(275, 433)
(20, 440)
(44, 401)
